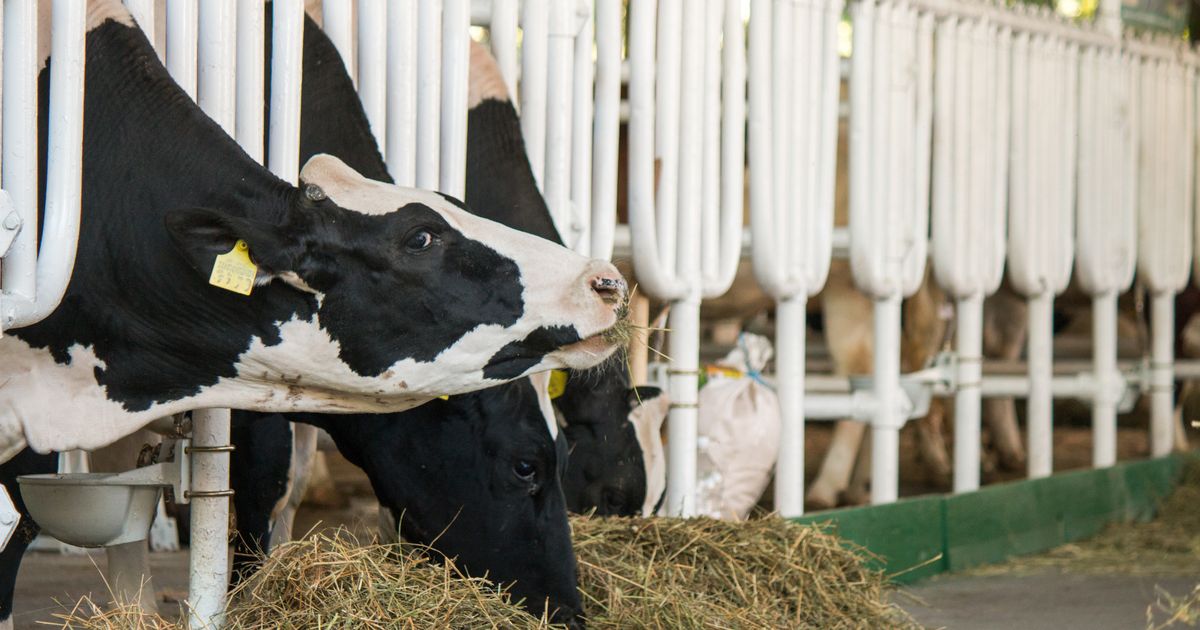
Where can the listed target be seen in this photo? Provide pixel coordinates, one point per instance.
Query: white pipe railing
(667, 122)
(970, 158)
(1041, 219)
(35, 278)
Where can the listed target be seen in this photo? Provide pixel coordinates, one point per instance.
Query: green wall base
(923, 536)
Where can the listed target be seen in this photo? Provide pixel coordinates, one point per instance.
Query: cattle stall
(983, 139)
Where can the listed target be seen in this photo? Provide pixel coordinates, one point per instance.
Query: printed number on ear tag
(233, 270)
(558, 383)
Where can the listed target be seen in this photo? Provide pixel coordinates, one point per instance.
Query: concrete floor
(1048, 600)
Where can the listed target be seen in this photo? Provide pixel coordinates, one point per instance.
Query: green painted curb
(923, 536)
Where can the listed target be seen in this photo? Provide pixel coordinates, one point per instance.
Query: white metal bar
(535, 25)
(429, 92)
(208, 560)
(1162, 376)
(251, 88)
(682, 422)
(609, 41)
(20, 160)
(337, 20)
(39, 278)
(793, 405)
(143, 13)
(889, 415)
(217, 59)
(1104, 361)
(658, 281)
(456, 55)
(182, 25)
(969, 346)
(503, 30)
(287, 56)
(373, 66)
(401, 97)
(732, 107)
(582, 127)
(556, 182)
(1040, 405)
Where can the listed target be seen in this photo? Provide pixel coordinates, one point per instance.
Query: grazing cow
(367, 297)
(617, 466)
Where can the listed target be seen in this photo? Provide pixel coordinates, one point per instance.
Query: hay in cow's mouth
(640, 572)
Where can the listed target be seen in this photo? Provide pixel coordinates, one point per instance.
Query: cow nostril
(610, 289)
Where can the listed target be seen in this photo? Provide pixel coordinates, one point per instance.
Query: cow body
(368, 297)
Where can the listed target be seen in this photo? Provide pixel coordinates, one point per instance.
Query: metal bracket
(10, 223)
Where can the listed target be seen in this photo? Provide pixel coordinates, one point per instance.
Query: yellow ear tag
(233, 270)
(444, 397)
(558, 383)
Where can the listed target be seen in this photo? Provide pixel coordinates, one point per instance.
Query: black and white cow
(368, 297)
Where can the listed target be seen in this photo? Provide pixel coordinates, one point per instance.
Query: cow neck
(159, 331)
(500, 182)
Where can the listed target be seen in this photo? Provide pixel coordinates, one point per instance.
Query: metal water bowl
(91, 509)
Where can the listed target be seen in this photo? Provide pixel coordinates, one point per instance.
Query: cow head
(415, 296)
(616, 464)
(476, 477)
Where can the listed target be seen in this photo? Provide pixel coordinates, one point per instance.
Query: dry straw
(634, 573)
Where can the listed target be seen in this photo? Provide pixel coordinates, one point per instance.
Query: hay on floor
(644, 573)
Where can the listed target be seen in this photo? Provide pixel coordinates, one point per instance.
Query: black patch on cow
(606, 472)
(518, 356)
(381, 312)
(448, 472)
(500, 183)
(26, 462)
(258, 473)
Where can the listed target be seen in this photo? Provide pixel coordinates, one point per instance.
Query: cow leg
(858, 492)
(304, 448)
(26, 462)
(1004, 327)
(128, 574)
(848, 332)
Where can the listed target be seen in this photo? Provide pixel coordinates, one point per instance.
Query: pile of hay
(703, 573)
(646, 573)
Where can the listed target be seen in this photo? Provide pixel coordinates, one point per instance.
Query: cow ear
(202, 234)
(642, 393)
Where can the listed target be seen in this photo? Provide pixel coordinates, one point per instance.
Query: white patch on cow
(541, 384)
(647, 419)
(486, 81)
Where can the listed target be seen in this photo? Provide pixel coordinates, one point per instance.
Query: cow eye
(525, 470)
(419, 241)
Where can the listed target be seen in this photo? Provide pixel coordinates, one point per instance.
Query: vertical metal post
(456, 55)
(208, 561)
(969, 347)
(791, 324)
(182, 25)
(402, 92)
(504, 42)
(556, 182)
(1162, 374)
(535, 23)
(251, 88)
(885, 427)
(1039, 417)
(429, 92)
(337, 20)
(372, 66)
(582, 127)
(1107, 379)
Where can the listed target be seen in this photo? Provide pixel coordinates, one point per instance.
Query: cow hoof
(820, 499)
